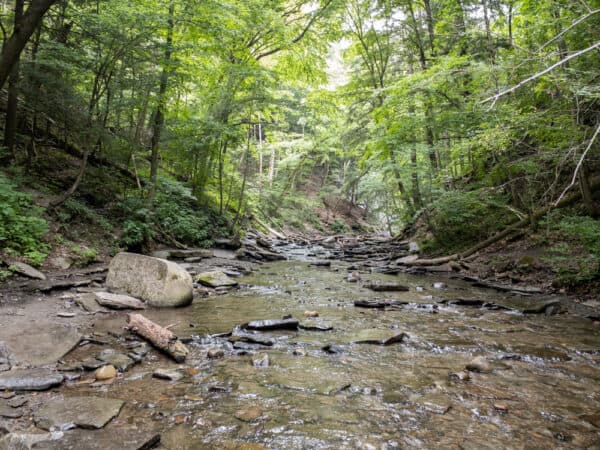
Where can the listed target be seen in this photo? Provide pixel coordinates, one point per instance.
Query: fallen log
(510, 231)
(160, 337)
(432, 261)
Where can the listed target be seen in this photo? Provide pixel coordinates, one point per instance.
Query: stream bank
(474, 366)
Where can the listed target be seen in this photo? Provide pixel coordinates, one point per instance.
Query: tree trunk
(12, 104)
(488, 32)
(244, 177)
(272, 166)
(586, 192)
(20, 36)
(430, 25)
(159, 117)
(416, 191)
(35, 86)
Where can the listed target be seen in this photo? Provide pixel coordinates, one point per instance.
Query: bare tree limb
(579, 164)
(302, 33)
(494, 98)
(570, 27)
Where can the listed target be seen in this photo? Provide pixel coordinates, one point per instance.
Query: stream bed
(540, 388)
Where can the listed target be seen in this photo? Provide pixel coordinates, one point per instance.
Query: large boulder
(159, 282)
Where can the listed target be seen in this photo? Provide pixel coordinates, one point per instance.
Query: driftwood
(160, 337)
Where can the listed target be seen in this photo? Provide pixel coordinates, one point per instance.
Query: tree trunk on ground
(160, 337)
(16, 43)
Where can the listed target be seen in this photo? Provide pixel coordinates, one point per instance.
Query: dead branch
(579, 164)
(494, 98)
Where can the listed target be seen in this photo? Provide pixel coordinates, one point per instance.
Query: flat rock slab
(508, 287)
(312, 325)
(549, 308)
(191, 253)
(378, 304)
(58, 285)
(386, 287)
(265, 325)
(121, 361)
(118, 301)
(434, 403)
(88, 303)
(38, 344)
(168, 374)
(375, 336)
(302, 377)
(128, 437)
(251, 339)
(18, 441)
(83, 412)
(27, 270)
(215, 279)
(320, 264)
(29, 379)
(9, 412)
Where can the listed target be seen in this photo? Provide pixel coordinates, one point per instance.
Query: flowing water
(543, 390)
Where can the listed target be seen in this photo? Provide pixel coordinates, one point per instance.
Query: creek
(540, 390)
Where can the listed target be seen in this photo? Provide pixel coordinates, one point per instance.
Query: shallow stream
(542, 391)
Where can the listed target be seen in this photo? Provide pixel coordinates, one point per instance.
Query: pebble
(91, 364)
(460, 376)
(17, 402)
(167, 374)
(440, 285)
(214, 353)
(249, 414)
(261, 360)
(353, 277)
(105, 372)
(333, 349)
(501, 407)
(478, 364)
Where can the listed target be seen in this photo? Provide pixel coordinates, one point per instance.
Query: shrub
(459, 219)
(73, 208)
(174, 211)
(21, 227)
(338, 226)
(582, 232)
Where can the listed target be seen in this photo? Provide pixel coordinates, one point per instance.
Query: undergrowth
(174, 213)
(460, 219)
(22, 230)
(576, 257)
